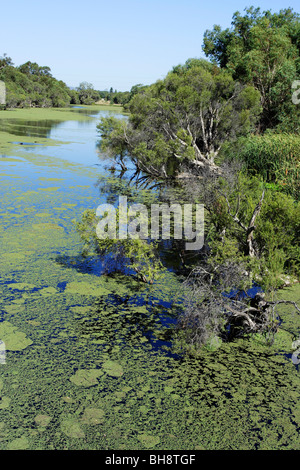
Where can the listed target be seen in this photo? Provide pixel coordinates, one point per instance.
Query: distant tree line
(121, 97)
(32, 85)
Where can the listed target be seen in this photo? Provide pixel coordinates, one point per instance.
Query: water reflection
(128, 320)
(78, 138)
(20, 127)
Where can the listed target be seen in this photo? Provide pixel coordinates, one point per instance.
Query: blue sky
(114, 43)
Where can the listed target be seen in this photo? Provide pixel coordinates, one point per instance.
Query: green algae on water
(20, 443)
(42, 420)
(21, 286)
(71, 427)
(85, 288)
(95, 375)
(93, 416)
(14, 339)
(86, 377)
(148, 441)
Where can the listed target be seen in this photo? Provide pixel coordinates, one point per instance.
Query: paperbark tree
(185, 118)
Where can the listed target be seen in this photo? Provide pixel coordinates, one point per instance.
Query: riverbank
(10, 119)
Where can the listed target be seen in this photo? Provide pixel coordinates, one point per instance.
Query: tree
(32, 68)
(218, 306)
(252, 242)
(261, 49)
(250, 223)
(5, 61)
(129, 254)
(87, 94)
(113, 139)
(187, 117)
(31, 85)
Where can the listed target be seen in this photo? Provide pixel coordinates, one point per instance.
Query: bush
(276, 157)
(128, 255)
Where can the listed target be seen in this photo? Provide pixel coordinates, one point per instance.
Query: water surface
(89, 360)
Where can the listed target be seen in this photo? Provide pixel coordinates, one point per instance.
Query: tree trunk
(251, 227)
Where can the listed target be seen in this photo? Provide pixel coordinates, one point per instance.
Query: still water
(88, 361)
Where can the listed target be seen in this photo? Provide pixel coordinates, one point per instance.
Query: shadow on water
(117, 320)
(106, 265)
(19, 127)
(131, 316)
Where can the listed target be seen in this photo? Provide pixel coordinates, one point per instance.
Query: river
(86, 359)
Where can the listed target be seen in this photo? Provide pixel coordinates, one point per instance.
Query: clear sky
(114, 43)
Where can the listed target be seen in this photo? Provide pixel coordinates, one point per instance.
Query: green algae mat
(89, 359)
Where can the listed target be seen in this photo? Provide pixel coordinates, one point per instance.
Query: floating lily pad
(93, 416)
(42, 420)
(14, 339)
(71, 427)
(18, 444)
(86, 377)
(21, 286)
(113, 368)
(4, 403)
(148, 440)
(86, 289)
(48, 291)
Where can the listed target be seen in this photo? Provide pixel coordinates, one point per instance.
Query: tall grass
(276, 157)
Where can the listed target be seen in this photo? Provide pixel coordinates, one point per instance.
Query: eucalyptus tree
(262, 49)
(185, 118)
(87, 94)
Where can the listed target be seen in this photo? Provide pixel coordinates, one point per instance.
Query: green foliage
(112, 132)
(184, 118)
(86, 93)
(276, 157)
(31, 85)
(134, 254)
(115, 97)
(276, 233)
(262, 49)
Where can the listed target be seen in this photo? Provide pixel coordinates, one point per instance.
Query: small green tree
(131, 254)
(87, 94)
(185, 118)
(262, 49)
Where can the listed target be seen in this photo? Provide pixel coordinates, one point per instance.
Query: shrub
(276, 157)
